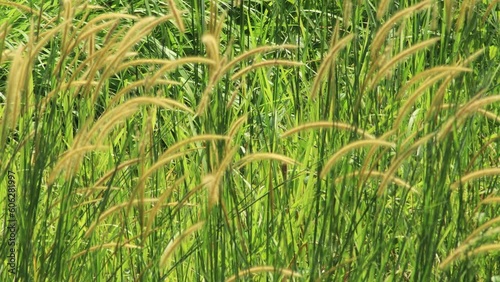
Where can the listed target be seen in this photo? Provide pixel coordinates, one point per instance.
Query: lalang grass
(287, 140)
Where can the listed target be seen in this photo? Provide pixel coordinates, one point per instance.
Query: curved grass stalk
(370, 156)
(399, 159)
(71, 161)
(418, 92)
(142, 82)
(489, 115)
(176, 15)
(212, 48)
(475, 175)
(169, 155)
(213, 180)
(491, 200)
(132, 36)
(439, 70)
(261, 269)
(382, 8)
(264, 156)
(381, 35)
(111, 210)
(356, 144)
(110, 118)
(197, 138)
(16, 83)
(167, 64)
(401, 56)
(236, 125)
(110, 173)
(327, 62)
(467, 110)
(105, 246)
(327, 124)
(102, 127)
(26, 9)
(156, 208)
(175, 242)
(470, 241)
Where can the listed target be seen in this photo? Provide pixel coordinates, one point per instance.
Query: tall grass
(251, 140)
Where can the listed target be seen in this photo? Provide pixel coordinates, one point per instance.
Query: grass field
(284, 140)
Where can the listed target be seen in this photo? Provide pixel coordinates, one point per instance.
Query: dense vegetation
(255, 140)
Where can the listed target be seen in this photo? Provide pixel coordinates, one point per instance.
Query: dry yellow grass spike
(261, 269)
(475, 237)
(466, 10)
(5, 53)
(68, 15)
(382, 8)
(174, 243)
(467, 110)
(169, 65)
(356, 144)
(439, 70)
(111, 245)
(118, 114)
(136, 33)
(327, 124)
(381, 35)
(236, 126)
(403, 110)
(325, 65)
(198, 138)
(482, 228)
(205, 97)
(212, 47)
(240, 88)
(147, 83)
(490, 115)
(157, 165)
(70, 161)
(212, 19)
(16, 86)
(491, 200)
(177, 16)
(102, 19)
(26, 9)
(346, 13)
(475, 175)
(265, 156)
(398, 159)
(213, 180)
(490, 8)
(93, 138)
(371, 158)
(107, 122)
(448, 6)
(473, 57)
(438, 98)
(170, 154)
(124, 43)
(399, 57)
(113, 209)
(163, 197)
